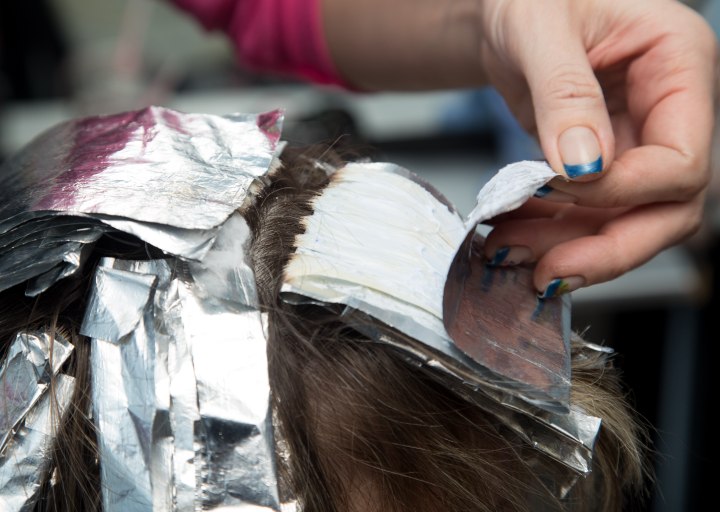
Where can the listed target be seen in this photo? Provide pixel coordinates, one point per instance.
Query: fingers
(643, 175)
(585, 246)
(658, 65)
(667, 128)
(572, 120)
(661, 78)
(524, 240)
(533, 208)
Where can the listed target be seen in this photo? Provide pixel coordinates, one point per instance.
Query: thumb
(570, 112)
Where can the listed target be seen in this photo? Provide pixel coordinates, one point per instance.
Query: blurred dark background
(67, 58)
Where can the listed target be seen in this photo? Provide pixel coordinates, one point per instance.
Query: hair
(365, 429)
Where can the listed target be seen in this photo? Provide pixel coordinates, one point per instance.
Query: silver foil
(167, 177)
(384, 245)
(25, 460)
(33, 359)
(30, 413)
(180, 387)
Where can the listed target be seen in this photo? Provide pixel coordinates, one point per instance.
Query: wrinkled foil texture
(397, 274)
(30, 413)
(180, 386)
(168, 177)
(180, 390)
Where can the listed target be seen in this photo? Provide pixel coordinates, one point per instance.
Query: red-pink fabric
(278, 36)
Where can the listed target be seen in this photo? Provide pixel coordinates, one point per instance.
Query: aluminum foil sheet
(167, 177)
(33, 359)
(29, 414)
(384, 245)
(180, 385)
(180, 389)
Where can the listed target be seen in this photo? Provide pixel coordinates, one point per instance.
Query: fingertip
(560, 286)
(581, 154)
(564, 269)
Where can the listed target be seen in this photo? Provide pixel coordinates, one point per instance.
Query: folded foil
(32, 360)
(180, 389)
(384, 244)
(167, 177)
(179, 370)
(30, 413)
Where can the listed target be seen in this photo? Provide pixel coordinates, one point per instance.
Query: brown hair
(365, 429)
(369, 431)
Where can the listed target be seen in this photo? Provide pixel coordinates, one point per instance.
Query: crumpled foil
(180, 386)
(30, 414)
(180, 392)
(384, 245)
(32, 360)
(167, 177)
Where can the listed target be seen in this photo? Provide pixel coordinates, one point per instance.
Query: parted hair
(366, 430)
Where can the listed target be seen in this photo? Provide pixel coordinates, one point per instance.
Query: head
(364, 429)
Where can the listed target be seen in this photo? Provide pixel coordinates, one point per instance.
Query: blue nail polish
(500, 256)
(543, 191)
(575, 171)
(554, 288)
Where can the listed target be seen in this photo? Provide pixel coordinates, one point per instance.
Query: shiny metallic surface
(117, 304)
(25, 459)
(123, 385)
(180, 386)
(181, 394)
(383, 245)
(188, 170)
(32, 360)
(169, 178)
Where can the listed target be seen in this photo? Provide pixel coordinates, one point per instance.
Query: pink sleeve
(278, 36)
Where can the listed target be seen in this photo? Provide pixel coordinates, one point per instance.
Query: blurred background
(67, 58)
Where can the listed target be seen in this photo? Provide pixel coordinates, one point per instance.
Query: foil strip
(384, 246)
(86, 165)
(197, 434)
(167, 177)
(123, 385)
(397, 274)
(25, 459)
(33, 359)
(180, 385)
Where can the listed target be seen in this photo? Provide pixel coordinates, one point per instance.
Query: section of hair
(73, 481)
(367, 431)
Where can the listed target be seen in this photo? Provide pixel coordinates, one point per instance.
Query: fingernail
(508, 256)
(580, 152)
(550, 194)
(558, 287)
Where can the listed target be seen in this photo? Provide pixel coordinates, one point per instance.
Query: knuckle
(568, 83)
(686, 189)
(694, 220)
(695, 180)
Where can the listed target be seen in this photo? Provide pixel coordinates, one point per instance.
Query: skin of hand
(621, 96)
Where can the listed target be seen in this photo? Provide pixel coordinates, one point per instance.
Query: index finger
(670, 100)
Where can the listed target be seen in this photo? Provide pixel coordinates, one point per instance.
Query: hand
(616, 90)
